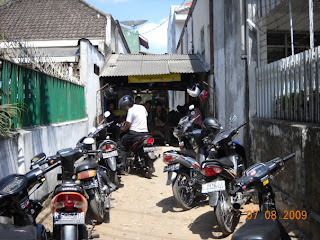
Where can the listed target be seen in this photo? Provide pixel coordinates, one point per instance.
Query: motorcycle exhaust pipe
(237, 205)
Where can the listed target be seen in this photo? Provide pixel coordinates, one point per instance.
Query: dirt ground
(145, 209)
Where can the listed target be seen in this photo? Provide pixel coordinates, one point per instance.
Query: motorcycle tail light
(87, 174)
(109, 147)
(167, 158)
(211, 171)
(69, 202)
(149, 141)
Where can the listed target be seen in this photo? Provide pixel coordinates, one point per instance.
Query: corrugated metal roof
(135, 64)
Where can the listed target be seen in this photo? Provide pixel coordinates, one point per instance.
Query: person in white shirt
(135, 126)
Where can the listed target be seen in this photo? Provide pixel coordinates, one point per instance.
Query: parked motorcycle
(107, 157)
(70, 201)
(265, 224)
(185, 125)
(95, 181)
(210, 172)
(18, 212)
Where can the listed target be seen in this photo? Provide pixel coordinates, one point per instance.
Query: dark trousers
(127, 142)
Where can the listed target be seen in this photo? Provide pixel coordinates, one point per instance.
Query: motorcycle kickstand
(91, 230)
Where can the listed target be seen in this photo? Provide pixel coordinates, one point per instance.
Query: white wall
(16, 152)
(88, 57)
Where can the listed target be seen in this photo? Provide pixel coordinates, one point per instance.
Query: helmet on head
(126, 100)
(194, 91)
(211, 126)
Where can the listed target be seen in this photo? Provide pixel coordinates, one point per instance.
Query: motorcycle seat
(188, 153)
(226, 162)
(8, 231)
(69, 187)
(87, 164)
(136, 144)
(258, 228)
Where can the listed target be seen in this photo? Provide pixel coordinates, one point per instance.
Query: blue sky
(155, 11)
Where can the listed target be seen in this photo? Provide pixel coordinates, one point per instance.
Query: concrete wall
(229, 67)
(299, 182)
(88, 57)
(16, 152)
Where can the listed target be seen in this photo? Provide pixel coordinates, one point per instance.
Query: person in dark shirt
(159, 116)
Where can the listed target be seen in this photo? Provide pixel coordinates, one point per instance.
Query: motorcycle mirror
(233, 118)
(106, 114)
(38, 157)
(191, 107)
(92, 130)
(88, 141)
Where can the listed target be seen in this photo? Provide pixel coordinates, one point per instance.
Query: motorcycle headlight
(12, 184)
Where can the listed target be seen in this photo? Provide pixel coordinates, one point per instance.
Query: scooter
(69, 199)
(17, 212)
(264, 224)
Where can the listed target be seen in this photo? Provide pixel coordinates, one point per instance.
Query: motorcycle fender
(213, 198)
(171, 177)
(90, 192)
(112, 163)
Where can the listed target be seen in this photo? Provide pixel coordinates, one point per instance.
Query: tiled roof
(134, 64)
(51, 19)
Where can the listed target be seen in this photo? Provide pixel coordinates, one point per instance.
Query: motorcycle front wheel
(227, 217)
(183, 192)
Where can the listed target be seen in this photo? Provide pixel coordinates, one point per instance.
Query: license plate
(171, 168)
(213, 186)
(68, 218)
(149, 149)
(110, 154)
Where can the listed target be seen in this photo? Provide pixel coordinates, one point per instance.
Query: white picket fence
(289, 88)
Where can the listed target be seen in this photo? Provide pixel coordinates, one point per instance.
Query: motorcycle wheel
(96, 207)
(183, 193)
(69, 232)
(227, 218)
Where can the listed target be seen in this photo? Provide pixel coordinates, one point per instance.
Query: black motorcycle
(95, 181)
(142, 155)
(18, 212)
(185, 125)
(69, 199)
(264, 224)
(224, 163)
(107, 157)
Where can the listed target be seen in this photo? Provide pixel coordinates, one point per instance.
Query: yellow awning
(173, 77)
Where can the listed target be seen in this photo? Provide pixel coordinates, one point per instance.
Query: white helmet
(194, 91)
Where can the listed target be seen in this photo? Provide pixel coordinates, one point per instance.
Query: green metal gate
(47, 99)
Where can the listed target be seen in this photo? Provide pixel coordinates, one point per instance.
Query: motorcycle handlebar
(286, 158)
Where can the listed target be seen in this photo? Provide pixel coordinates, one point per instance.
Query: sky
(155, 11)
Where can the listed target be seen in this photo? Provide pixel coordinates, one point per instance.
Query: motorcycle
(192, 174)
(224, 163)
(17, 212)
(69, 199)
(185, 124)
(95, 181)
(264, 224)
(141, 155)
(107, 157)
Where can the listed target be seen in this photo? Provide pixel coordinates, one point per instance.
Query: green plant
(7, 113)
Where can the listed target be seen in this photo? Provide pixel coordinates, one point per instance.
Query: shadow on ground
(206, 226)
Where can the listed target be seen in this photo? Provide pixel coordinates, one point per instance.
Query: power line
(163, 21)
